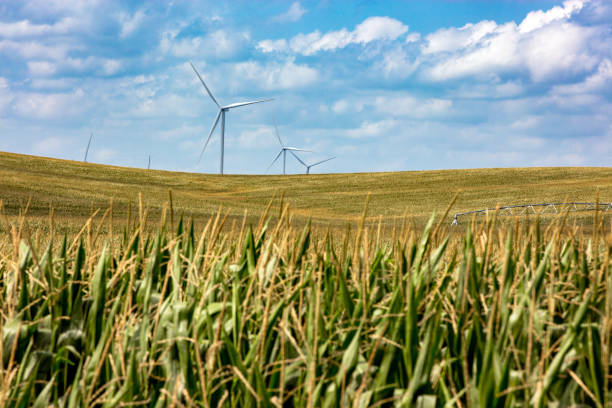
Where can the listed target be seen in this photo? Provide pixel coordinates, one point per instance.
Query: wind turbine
(284, 149)
(87, 149)
(220, 114)
(308, 166)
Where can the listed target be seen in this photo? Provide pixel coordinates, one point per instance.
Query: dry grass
(77, 189)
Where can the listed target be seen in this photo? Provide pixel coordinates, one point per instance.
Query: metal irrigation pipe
(567, 206)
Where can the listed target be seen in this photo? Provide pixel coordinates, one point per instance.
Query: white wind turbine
(308, 166)
(220, 114)
(284, 149)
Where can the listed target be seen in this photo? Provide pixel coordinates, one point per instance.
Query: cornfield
(507, 315)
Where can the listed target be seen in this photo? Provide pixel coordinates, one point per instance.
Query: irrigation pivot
(284, 149)
(523, 209)
(87, 149)
(220, 115)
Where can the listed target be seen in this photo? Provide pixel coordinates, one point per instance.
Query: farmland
(279, 312)
(76, 189)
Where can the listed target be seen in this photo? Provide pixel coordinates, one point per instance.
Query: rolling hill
(74, 189)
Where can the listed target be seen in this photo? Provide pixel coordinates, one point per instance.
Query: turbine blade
(298, 159)
(322, 161)
(275, 159)
(278, 134)
(212, 129)
(295, 149)
(205, 87)
(237, 104)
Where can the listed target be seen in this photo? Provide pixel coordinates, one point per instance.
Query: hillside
(75, 188)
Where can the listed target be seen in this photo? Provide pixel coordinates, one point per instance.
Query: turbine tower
(308, 166)
(284, 149)
(87, 149)
(220, 114)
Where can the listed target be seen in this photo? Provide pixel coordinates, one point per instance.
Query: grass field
(75, 188)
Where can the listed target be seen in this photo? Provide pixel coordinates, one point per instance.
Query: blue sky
(382, 85)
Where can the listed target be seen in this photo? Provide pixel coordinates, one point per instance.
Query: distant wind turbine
(149, 165)
(220, 114)
(308, 166)
(87, 149)
(284, 149)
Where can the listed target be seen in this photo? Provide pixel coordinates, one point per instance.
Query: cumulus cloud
(453, 39)
(396, 105)
(372, 129)
(371, 29)
(540, 18)
(30, 49)
(129, 24)
(50, 106)
(276, 76)
(218, 43)
(598, 82)
(545, 45)
(24, 28)
(295, 13)
(93, 65)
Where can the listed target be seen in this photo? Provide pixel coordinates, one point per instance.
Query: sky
(390, 85)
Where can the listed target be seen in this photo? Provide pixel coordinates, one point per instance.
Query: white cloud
(219, 43)
(410, 106)
(413, 37)
(295, 13)
(129, 24)
(42, 68)
(34, 49)
(396, 105)
(24, 28)
(182, 131)
(378, 28)
(371, 29)
(397, 63)
(556, 48)
(452, 39)
(258, 138)
(539, 18)
(50, 106)
(100, 66)
(48, 83)
(49, 146)
(372, 129)
(275, 76)
(60, 7)
(169, 105)
(273, 45)
(111, 66)
(600, 81)
(497, 53)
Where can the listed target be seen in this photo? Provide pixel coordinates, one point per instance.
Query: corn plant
(273, 316)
